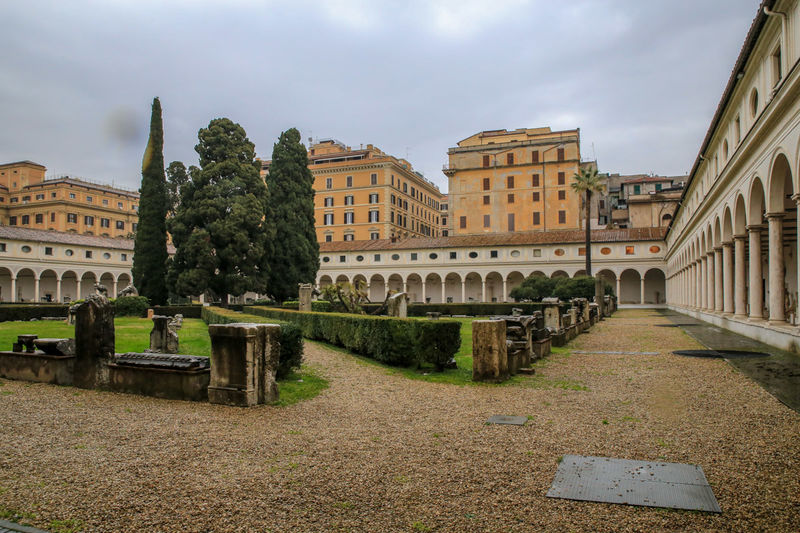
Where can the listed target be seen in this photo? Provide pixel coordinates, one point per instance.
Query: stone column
(463, 291)
(756, 289)
(711, 281)
(618, 293)
(483, 290)
(35, 288)
(740, 284)
(405, 287)
(423, 291)
(114, 290)
(304, 291)
(505, 291)
(58, 290)
(94, 341)
(718, 279)
(444, 292)
(727, 278)
(78, 288)
(234, 374)
(703, 282)
(13, 288)
(641, 291)
(776, 269)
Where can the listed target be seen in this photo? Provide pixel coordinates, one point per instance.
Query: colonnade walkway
(779, 373)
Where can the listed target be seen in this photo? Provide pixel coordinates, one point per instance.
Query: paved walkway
(779, 373)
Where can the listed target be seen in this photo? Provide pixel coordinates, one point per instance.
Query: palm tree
(588, 181)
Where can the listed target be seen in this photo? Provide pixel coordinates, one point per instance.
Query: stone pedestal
(269, 359)
(163, 337)
(397, 305)
(94, 341)
(305, 296)
(489, 355)
(541, 348)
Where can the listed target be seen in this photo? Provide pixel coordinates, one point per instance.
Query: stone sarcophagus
(162, 375)
(41, 360)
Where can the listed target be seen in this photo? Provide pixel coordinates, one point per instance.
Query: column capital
(718, 248)
(727, 244)
(755, 228)
(771, 216)
(740, 237)
(796, 197)
(710, 253)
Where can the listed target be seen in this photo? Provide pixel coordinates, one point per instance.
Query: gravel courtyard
(380, 452)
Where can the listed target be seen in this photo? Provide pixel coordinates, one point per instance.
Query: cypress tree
(293, 251)
(218, 229)
(150, 244)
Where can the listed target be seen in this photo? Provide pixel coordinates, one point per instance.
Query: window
(605, 250)
(52, 195)
(40, 196)
(453, 255)
(359, 258)
(637, 189)
(373, 179)
(485, 161)
(72, 196)
(560, 154)
(493, 254)
(373, 216)
(328, 219)
(349, 217)
(348, 200)
(473, 255)
(39, 218)
(26, 199)
(510, 182)
(392, 180)
(135, 207)
(120, 224)
(134, 226)
(444, 221)
(105, 202)
(374, 236)
(777, 67)
(724, 150)
(343, 258)
(562, 178)
(753, 103)
(88, 254)
(52, 217)
(537, 252)
(326, 259)
(88, 199)
(433, 256)
(391, 217)
(14, 200)
(737, 130)
(26, 249)
(629, 250)
(511, 198)
(105, 223)
(511, 226)
(509, 159)
(328, 202)
(537, 218)
(329, 183)
(562, 217)
(48, 250)
(395, 257)
(462, 222)
(486, 199)
(12, 221)
(328, 238)
(106, 255)
(26, 219)
(562, 195)
(602, 204)
(658, 187)
(349, 181)
(68, 252)
(2, 247)
(535, 156)
(88, 220)
(487, 221)
(124, 257)
(348, 237)
(373, 198)
(72, 218)
(559, 252)
(535, 180)
(119, 205)
(377, 257)
(486, 184)
(581, 251)
(413, 192)
(413, 256)
(405, 187)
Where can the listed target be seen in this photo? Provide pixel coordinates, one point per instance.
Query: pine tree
(293, 251)
(218, 229)
(150, 245)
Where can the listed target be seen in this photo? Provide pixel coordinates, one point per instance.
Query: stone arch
(48, 286)
(433, 288)
(580, 272)
(756, 203)
(655, 283)
(394, 283)
(780, 183)
(377, 288)
(494, 287)
(559, 274)
(452, 282)
(414, 287)
(739, 216)
(538, 273)
(717, 234)
(513, 280)
(25, 285)
(473, 287)
(107, 279)
(69, 286)
(5, 284)
(342, 278)
(88, 281)
(324, 281)
(630, 286)
(727, 225)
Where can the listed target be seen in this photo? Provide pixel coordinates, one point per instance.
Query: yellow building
(506, 181)
(29, 200)
(367, 194)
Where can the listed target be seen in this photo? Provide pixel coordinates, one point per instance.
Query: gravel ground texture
(379, 452)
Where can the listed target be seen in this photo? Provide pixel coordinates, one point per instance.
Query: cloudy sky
(641, 79)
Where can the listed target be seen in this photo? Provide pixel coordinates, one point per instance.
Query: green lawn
(133, 335)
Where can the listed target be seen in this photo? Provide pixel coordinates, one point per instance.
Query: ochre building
(507, 181)
(366, 194)
(67, 204)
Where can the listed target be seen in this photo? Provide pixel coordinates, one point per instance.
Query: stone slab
(507, 420)
(11, 527)
(641, 483)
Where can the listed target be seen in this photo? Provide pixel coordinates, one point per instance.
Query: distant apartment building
(508, 181)
(444, 217)
(643, 201)
(366, 194)
(29, 200)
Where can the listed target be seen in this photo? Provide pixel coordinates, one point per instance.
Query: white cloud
(463, 18)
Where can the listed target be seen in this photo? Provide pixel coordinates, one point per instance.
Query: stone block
(397, 305)
(234, 353)
(269, 359)
(489, 353)
(305, 292)
(94, 341)
(541, 348)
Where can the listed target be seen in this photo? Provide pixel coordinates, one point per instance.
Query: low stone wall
(191, 385)
(38, 367)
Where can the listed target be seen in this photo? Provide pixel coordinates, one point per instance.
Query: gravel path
(379, 452)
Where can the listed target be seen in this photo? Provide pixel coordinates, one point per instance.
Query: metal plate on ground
(613, 353)
(720, 353)
(643, 483)
(508, 420)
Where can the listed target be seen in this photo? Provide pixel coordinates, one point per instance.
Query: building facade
(366, 194)
(29, 200)
(732, 244)
(506, 181)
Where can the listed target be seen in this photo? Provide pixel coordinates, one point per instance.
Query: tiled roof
(63, 237)
(497, 239)
(25, 162)
(650, 179)
(83, 183)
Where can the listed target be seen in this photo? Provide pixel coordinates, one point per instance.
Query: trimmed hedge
(188, 311)
(18, 312)
(320, 306)
(471, 309)
(131, 306)
(395, 341)
(291, 338)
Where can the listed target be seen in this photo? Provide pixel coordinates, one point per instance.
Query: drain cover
(720, 353)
